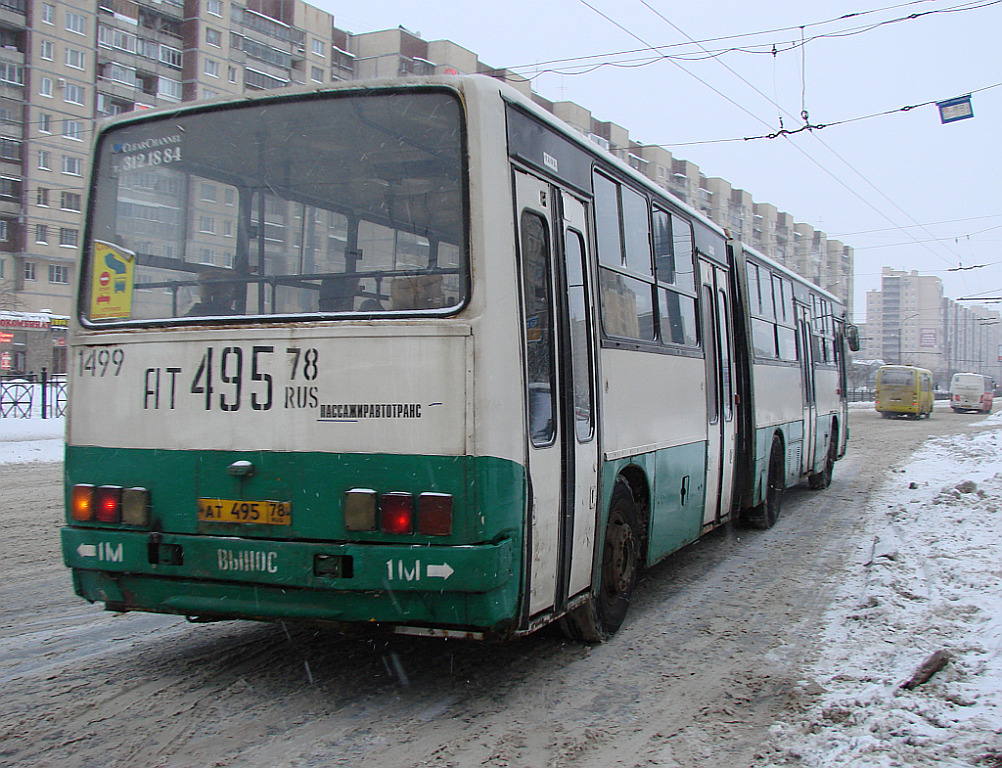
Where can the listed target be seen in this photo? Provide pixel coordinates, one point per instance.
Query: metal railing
(33, 397)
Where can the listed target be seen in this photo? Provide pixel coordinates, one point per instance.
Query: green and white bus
(417, 356)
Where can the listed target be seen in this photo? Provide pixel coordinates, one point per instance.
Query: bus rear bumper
(231, 577)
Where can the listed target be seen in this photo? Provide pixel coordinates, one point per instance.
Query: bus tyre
(821, 480)
(766, 514)
(598, 619)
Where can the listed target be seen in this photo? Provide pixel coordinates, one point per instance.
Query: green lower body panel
(473, 587)
(312, 565)
(675, 477)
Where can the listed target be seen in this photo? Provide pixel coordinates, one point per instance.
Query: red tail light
(435, 514)
(108, 503)
(397, 512)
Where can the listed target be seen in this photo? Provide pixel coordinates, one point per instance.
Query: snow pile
(927, 580)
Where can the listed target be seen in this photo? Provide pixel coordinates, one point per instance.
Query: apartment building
(910, 322)
(66, 63)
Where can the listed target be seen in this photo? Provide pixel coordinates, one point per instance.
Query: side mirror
(852, 337)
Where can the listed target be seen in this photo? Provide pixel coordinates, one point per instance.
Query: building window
(318, 47)
(10, 149)
(42, 234)
(76, 23)
(317, 74)
(215, 7)
(108, 106)
(213, 37)
(120, 74)
(4, 231)
(48, 50)
(74, 94)
(73, 129)
(209, 94)
(232, 74)
(172, 57)
(72, 166)
(45, 122)
(116, 38)
(212, 68)
(42, 197)
(43, 160)
(208, 193)
(255, 79)
(69, 201)
(45, 86)
(48, 14)
(11, 73)
(59, 273)
(29, 270)
(68, 236)
(169, 89)
(76, 59)
(207, 225)
(10, 188)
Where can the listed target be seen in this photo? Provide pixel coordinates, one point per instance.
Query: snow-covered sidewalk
(927, 578)
(31, 440)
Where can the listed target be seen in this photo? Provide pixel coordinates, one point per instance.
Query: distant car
(971, 392)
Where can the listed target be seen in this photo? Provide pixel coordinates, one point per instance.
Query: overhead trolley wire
(804, 115)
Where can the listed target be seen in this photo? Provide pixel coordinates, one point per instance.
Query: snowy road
(720, 647)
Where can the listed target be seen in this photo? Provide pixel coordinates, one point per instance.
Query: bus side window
(537, 301)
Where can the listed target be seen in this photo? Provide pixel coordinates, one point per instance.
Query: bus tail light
(360, 510)
(108, 504)
(394, 512)
(435, 514)
(82, 503)
(397, 512)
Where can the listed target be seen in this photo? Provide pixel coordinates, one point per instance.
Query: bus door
(808, 347)
(718, 347)
(560, 392)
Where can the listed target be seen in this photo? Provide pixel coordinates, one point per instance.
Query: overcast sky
(903, 189)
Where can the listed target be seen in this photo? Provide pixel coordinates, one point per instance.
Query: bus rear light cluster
(397, 513)
(110, 504)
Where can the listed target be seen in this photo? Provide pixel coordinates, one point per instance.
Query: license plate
(234, 511)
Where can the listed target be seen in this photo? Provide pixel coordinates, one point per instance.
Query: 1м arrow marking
(110, 553)
(397, 569)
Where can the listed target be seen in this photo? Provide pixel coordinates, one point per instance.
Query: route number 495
(227, 372)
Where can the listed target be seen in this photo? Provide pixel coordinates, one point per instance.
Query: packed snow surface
(926, 578)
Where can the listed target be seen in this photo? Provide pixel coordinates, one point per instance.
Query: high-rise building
(910, 322)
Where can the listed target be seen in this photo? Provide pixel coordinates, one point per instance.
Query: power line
(768, 48)
(804, 115)
(928, 224)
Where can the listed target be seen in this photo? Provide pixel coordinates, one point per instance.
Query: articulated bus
(417, 356)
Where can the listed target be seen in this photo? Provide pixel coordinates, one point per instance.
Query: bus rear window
(337, 203)
(897, 378)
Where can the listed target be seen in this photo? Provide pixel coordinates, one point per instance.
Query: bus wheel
(766, 514)
(821, 480)
(599, 618)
